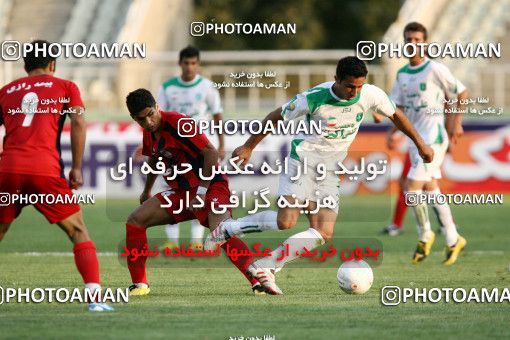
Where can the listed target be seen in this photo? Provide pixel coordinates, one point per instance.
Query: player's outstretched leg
(264, 269)
(243, 262)
(426, 236)
(148, 214)
(85, 257)
(261, 221)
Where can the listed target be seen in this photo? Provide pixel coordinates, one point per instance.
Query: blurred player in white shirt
(195, 96)
(421, 87)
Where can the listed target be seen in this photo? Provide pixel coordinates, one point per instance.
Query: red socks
(400, 210)
(136, 237)
(86, 261)
(243, 262)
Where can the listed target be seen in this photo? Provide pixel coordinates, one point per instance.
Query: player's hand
(391, 141)
(144, 196)
(426, 153)
(244, 154)
(75, 178)
(455, 134)
(196, 201)
(221, 152)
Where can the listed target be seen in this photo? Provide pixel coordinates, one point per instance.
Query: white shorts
(421, 171)
(308, 187)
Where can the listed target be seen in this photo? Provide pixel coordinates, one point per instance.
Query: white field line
(35, 254)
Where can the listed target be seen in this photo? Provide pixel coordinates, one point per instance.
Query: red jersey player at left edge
(163, 139)
(32, 109)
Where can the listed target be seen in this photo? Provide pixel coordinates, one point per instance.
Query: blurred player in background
(395, 228)
(344, 102)
(32, 110)
(421, 86)
(162, 139)
(195, 96)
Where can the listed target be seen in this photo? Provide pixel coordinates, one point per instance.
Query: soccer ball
(355, 277)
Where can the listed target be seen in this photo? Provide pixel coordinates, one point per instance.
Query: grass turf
(216, 303)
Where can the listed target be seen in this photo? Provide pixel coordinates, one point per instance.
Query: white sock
(444, 215)
(172, 232)
(92, 287)
(261, 221)
(421, 214)
(309, 239)
(141, 285)
(197, 231)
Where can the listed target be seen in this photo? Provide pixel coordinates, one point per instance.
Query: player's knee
(285, 222)
(136, 219)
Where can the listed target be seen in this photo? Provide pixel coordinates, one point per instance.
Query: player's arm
(78, 136)
(149, 182)
(245, 150)
(218, 118)
(391, 135)
(403, 124)
(454, 120)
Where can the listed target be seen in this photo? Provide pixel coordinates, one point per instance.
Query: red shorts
(217, 193)
(32, 184)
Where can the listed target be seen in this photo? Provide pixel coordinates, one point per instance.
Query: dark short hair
(189, 52)
(138, 100)
(42, 58)
(351, 66)
(415, 27)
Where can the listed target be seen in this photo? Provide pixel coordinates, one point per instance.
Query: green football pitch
(189, 302)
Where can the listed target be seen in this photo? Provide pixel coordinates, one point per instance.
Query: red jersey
(33, 112)
(177, 150)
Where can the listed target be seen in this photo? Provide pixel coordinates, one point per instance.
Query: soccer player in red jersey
(163, 139)
(33, 110)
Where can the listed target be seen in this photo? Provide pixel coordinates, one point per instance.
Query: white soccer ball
(355, 277)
